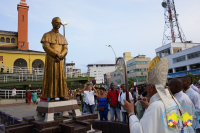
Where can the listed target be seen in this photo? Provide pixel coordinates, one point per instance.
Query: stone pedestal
(49, 108)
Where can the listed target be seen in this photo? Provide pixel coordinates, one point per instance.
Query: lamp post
(64, 24)
(113, 50)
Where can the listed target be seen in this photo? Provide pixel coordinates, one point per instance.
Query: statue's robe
(54, 81)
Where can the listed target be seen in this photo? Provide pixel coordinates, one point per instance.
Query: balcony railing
(24, 70)
(5, 78)
(19, 93)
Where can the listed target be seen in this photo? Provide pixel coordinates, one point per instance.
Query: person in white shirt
(2, 67)
(194, 88)
(121, 99)
(176, 87)
(14, 92)
(90, 105)
(193, 95)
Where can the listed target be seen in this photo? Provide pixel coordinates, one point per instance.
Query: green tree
(195, 78)
(130, 81)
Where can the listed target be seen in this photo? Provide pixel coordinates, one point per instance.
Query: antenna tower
(172, 30)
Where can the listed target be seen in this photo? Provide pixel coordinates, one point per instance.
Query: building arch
(20, 65)
(2, 39)
(7, 40)
(38, 63)
(13, 40)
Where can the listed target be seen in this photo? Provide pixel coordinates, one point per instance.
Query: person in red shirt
(29, 94)
(113, 100)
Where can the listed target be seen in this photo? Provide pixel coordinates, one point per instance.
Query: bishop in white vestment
(160, 100)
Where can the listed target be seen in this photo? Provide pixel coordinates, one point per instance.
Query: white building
(137, 69)
(98, 71)
(71, 72)
(184, 58)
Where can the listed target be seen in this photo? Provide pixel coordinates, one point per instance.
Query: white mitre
(157, 75)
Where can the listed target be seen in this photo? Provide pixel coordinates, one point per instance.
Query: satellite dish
(164, 4)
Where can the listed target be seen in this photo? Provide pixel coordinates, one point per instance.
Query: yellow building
(25, 59)
(14, 47)
(8, 39)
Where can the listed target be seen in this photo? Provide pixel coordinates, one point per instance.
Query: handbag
(118, 105)
(102, 108)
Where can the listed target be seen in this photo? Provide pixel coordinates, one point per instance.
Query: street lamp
(64, 24)
(113, 50)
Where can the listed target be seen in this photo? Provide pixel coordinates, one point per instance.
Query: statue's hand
(57, 59)
(60, 56)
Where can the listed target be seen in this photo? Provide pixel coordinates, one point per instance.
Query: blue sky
(134, 26)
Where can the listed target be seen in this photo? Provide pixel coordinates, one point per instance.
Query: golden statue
(55, 45)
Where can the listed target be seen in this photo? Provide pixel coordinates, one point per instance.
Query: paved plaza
(19, 110)
(22, 110)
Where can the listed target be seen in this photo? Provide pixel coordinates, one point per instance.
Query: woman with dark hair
(34, 97)
(102, 104)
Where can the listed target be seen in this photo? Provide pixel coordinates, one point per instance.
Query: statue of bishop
(55, 45)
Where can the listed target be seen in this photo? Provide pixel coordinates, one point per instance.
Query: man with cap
(160, 100)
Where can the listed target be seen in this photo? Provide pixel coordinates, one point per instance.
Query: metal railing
(8, 93)
(24, 70)
(18, 74)
(5, 78)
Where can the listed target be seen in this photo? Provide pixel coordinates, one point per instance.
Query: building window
(2, 39)
(170, 71)
(22, 17)
(7, 40)
(163, 53)
(141, 78)
(12, 40)
(138, 62)
(23, 44)
(193, 66)
(179, 69)
(179, 59)
(1, 58)
(118, 81)
(193, 55)
(138, 70)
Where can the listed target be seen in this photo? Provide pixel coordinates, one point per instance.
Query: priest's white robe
(151, 120)
(184, 100)
(195, 98)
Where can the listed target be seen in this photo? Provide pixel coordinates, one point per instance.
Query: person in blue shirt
(34, 97)
(103, 104)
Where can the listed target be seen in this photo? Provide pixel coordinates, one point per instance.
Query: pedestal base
(49, 108)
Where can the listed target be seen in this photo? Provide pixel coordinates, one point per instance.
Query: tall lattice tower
(172, 31)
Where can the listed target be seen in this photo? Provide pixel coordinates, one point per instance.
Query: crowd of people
(143, 105)
(91, 99)
(113, 99)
